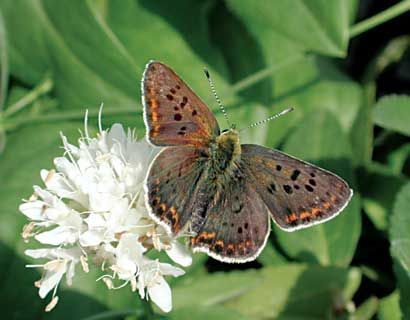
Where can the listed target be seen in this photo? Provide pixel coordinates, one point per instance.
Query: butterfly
(223, 192)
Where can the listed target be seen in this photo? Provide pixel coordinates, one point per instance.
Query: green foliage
(393, 113)
(251, 292)
(400, 241)
(366, 310)
(327, 22)
(389, 308)
(378, 205)
(58, 58)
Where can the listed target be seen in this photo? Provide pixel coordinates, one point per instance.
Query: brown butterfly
(224, 193)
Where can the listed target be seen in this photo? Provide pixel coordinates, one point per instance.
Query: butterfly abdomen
(204, 198)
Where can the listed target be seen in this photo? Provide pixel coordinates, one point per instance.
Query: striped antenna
(211, 84)
(258, 123)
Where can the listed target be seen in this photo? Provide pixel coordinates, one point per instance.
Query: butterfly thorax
(226, 151)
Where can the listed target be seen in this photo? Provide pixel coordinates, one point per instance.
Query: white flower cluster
(92, 210)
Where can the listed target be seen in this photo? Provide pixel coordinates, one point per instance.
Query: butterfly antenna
(258, 123)
(211, 84)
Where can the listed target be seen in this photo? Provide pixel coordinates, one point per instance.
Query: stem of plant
(4, 65)
(148, 311)
(42, 88)
(380, 18)
(67, 115)
(262, 74)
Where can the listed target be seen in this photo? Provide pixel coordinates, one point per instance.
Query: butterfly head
(228, 141)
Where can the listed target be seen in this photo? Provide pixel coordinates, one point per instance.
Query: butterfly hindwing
(171, 186)
(237, 223)
(297, 193)
(173, 113)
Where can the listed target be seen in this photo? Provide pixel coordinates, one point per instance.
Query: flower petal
(130, 247)
(33, 210)
(116, 135)
(180, 254)
(56, 183)
(169, 270)
(161, 295)
(39, 253)
(125, 268)
(57, 236)
(91, 238)
(95, 220)
(72, 254)
(51, 279)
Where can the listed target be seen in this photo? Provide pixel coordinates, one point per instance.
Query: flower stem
(261, 74)
(148, 311)
(42, 88)
(380, 18)
(4, 64)
(68, 115)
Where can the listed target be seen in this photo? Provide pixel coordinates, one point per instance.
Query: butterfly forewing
(297, 193)
(236, 224)
(173, 113)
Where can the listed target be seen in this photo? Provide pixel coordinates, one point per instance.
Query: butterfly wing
(237, 222)
(171, 186)
(173, 113)
(298, 194)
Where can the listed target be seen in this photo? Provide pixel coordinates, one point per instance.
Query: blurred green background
(347, 81)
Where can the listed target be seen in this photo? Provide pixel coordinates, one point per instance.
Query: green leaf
(334, 242)
(361, 133)
(124, 44)
(378, 186)
(366, 310)
(400, 246)
(214, 288)
(397, 158)
(297, 291)
(393, 112)
(19, 297)
(318, 26)
(270, 256)
(317, 85)
(389, 308)
(205, 313)
(251, 59)
(247, 114)
(27, 50)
